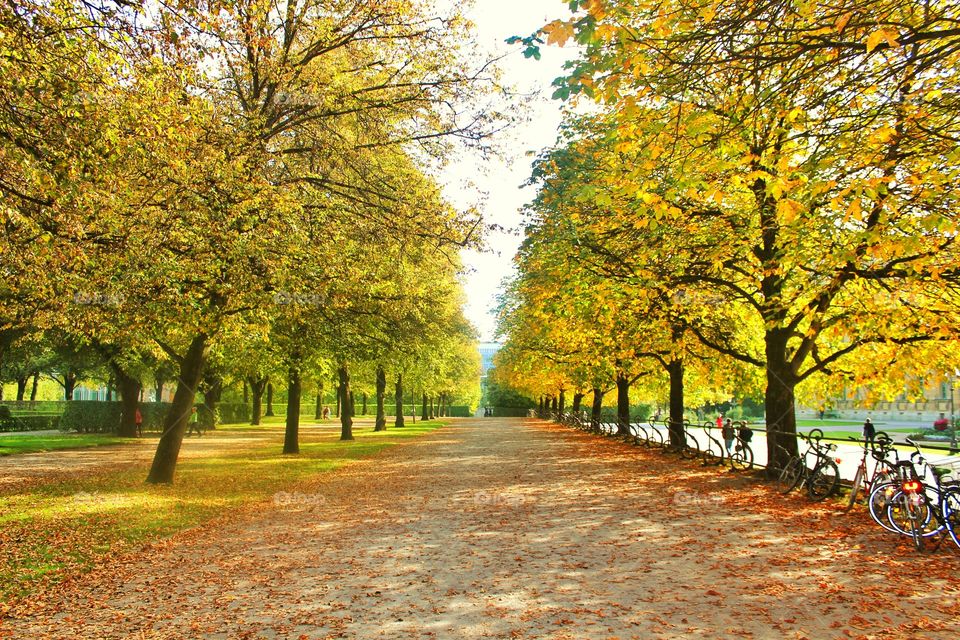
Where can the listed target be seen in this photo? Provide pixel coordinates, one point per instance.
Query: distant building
(487, 351)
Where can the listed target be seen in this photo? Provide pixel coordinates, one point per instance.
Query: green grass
(823, 424)
(58, 529)
(10, 445)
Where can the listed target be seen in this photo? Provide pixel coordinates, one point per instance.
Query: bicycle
(878, 448)
(742, 457)
(921, 510)
(822, 480)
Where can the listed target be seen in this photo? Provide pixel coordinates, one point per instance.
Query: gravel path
(494, 528)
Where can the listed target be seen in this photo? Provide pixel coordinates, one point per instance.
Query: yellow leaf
(882, 35)
(842, 21)
(558, 32)
(788, 210)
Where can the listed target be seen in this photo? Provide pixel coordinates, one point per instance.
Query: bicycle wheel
(878, 502)
(950, 510)
(790, 475)
(824, 480)
(909, 515)
(855, 489)
(742, 458)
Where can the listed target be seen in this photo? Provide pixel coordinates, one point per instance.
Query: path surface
(496, 528)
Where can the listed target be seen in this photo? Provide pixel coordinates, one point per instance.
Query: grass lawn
(831, 424)
(54, 530)
(10, 445)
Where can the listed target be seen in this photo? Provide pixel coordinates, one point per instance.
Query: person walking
(194, 423)
(869, 431)
(728, 436)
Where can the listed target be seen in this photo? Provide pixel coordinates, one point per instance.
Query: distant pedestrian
(326, 413)
(138, 419)
(728, 435)
(194, 423)
(720, 421)
(869, 431)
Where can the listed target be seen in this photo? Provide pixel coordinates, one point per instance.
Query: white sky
(499, 180)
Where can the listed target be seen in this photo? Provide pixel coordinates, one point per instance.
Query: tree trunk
(69, 384)
(257, 387)
(159, 387)
(353, 405)
(291, 438)
(779, 402)
(562, 405)
(344, 393)
(596, 411)
(675, 369)
(339, 402)
(423, 408)
(381, 424)
(623, 405)
(542, 407)
(318, 413)
(398, 397)
(246, 393)
(129, 388)
(22, 387)
(269, 400)
(577, 401)
(36, 383)
(554, 403)
(363, 403)
(110, 391)
(175, 423)
(211, 398)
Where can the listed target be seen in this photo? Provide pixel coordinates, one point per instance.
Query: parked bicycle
(741, 459)
(821, 478)
(878, 448)
(919, 509)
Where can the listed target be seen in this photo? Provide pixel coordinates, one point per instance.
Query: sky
(499, 179)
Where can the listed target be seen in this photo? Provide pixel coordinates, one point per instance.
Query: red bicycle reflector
(911, 486)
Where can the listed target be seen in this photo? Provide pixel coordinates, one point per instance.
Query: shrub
(233, 413)
(29, 423)
(91, 416)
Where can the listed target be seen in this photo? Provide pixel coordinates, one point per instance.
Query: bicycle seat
(939, 472)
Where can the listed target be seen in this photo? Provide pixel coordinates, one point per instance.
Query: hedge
(95, 416)
(29, 423)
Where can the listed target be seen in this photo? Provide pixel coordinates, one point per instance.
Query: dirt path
(512, 529)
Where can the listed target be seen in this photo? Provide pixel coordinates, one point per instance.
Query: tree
(786, 162)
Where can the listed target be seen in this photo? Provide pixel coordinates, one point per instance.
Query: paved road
(495, 528)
